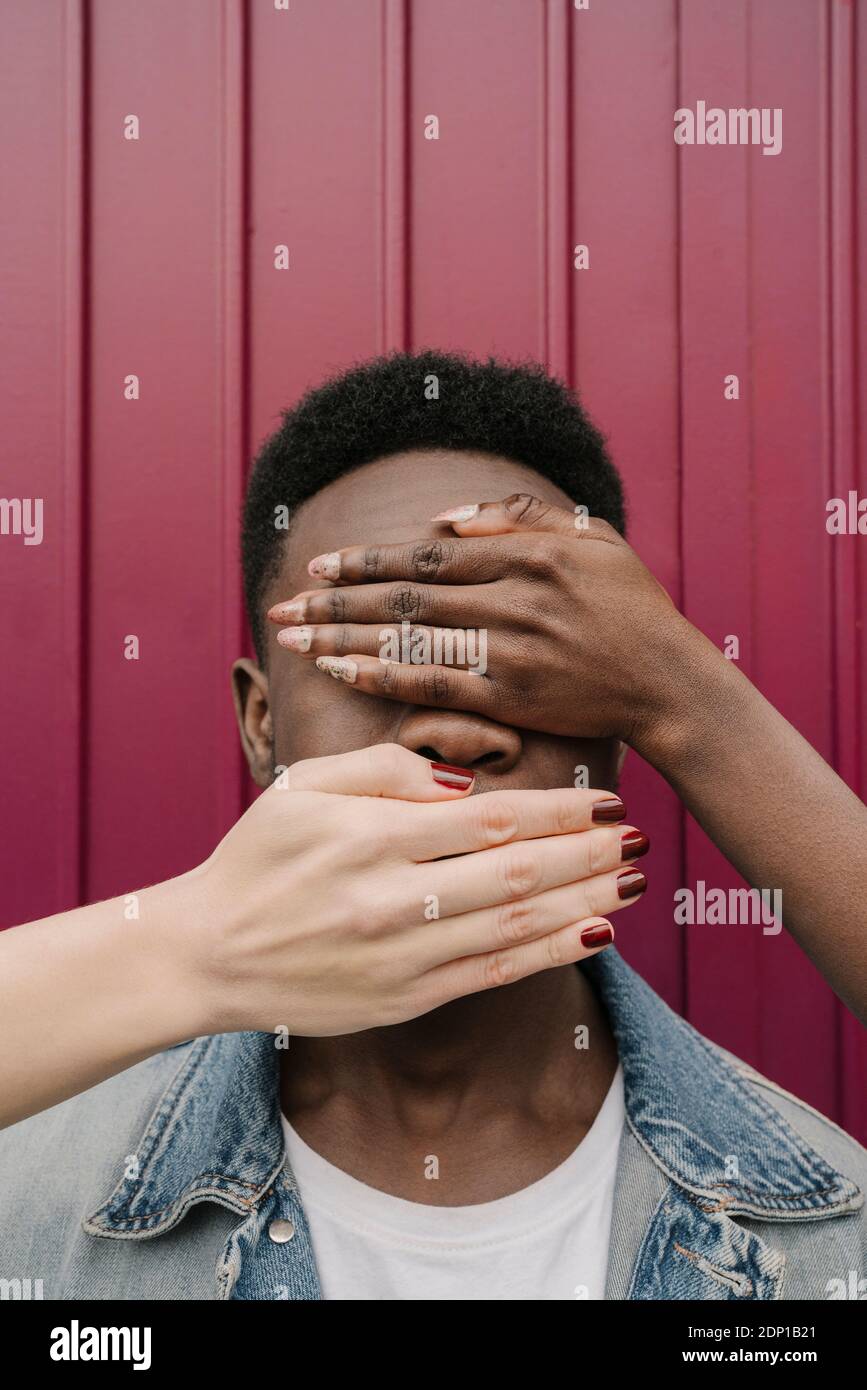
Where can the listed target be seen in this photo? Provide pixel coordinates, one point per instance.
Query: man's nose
(467, 740)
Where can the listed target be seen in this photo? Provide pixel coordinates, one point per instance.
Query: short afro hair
(384, 406)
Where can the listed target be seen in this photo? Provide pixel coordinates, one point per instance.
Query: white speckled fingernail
(340, 667)
(287, 612)
(297, 639)
(458, 513)
(325, 566)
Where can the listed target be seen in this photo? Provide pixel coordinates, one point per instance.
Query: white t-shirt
(547, 1241)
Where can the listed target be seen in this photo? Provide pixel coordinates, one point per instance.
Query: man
(563, 1135)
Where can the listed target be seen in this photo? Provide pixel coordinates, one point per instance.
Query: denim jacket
(165, 1182)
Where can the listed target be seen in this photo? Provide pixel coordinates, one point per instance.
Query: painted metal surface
(304, 126)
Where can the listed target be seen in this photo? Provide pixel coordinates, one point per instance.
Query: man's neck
(498, 1088)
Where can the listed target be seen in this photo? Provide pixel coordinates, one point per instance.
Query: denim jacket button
(281, 1231)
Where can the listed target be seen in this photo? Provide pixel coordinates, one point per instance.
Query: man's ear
(253, 711)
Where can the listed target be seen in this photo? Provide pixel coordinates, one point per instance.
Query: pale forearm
(88, 993)
(778, 812)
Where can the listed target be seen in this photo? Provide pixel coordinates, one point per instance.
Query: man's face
(297, 711)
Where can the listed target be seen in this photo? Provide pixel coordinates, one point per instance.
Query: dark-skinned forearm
(772, 805)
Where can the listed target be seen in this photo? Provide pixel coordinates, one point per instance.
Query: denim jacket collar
(694, 1112)
(216, 1135)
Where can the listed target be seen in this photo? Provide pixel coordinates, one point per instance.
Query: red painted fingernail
(449, 776)
(631, 883)
(609, 811)
(600, 935)
(632, 845)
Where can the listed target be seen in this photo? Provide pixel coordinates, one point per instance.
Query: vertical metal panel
(557, 159)
(396, 242)
(305, 127)
(42, 117)
(624, 209)
(792, 589)
(853, 639)
(477, 193)
(232, 385)
(848, 637)
(317, 97)
(717, 534)
(856, 637)
(165, 469)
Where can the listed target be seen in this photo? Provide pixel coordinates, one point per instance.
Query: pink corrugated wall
(305, 127)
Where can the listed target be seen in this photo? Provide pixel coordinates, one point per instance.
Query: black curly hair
(382, 407)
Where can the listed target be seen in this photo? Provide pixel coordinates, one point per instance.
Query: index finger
(449, 560)
(490, 819)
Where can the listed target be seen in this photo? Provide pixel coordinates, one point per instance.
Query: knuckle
(566, 815)
(426, 559)
(498, 969)
(600, 530)
(498, 820)
(392, 678)
(371, 562)
(594, 904)
(597, 852)
(358, 913)
(507, 702)
(393, 1008)
(404, 603)
(541, 560)
(556, 948)
(336, 601)
(520, 873)
(390, 969)
(419, 999)
(525, 508)
(377, 914)
(436, 685)
(416, 634)
(395, 760)
(516, 921)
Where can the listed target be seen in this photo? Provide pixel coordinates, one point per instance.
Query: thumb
(386, 769)
(520, 512)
